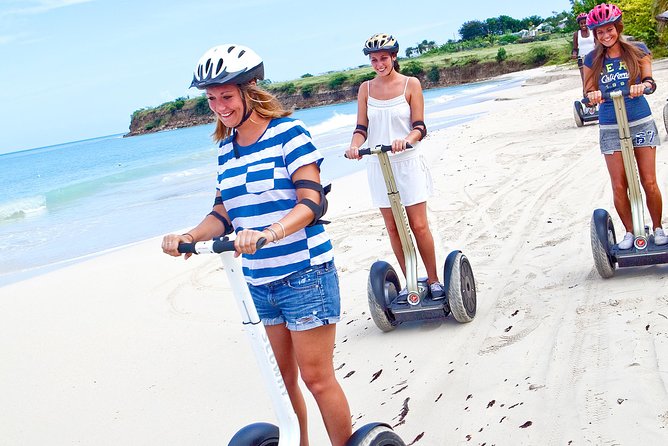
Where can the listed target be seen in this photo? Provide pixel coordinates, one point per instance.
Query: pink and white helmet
(581, 16)
(602, 15)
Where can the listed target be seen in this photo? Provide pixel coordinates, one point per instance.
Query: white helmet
(227, 64)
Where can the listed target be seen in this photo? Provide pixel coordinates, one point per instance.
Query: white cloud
(38, 6)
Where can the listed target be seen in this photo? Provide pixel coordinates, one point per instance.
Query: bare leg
(281, 343)
(615, 165)
(395, 240)
(417, 217)
(646, 158)
(314, 350)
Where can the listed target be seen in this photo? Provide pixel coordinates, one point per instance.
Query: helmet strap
(246, 116)
(234, 144)
(247, 113)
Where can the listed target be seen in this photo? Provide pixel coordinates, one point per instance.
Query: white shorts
(411, 174)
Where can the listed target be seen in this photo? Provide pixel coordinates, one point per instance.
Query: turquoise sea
(62, 203)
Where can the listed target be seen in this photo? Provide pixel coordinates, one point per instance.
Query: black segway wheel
(578, 113)
(256, 434)
(382, 289)
(602, 239)
(665, 117)
(375, 434)
(460, 286)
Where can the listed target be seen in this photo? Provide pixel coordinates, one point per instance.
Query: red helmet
(581, 16)
(602, 15)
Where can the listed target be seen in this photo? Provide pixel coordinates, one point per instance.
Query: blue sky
(77, 69)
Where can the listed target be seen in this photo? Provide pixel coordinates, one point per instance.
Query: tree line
(639, 22)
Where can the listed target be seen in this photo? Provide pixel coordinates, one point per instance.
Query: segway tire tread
(665, 117)
(256, 434)
(381, 272)
(456, 298)
(577, 113)
(378, 436)
(599, 248)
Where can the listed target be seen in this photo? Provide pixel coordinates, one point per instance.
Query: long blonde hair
(258, 100)
(631, 56)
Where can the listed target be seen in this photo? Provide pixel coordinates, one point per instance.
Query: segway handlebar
(379, 148)
(215, 246)
(608, 95)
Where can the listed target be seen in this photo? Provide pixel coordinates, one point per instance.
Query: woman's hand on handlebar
(637, 90)
(246, 241)
(170, 244)
(353, 153)
(595, 97)
(399, 145)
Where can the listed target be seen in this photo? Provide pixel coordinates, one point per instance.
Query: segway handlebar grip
(606, 94)
(377, 149)
(185, 248)
(216, 246)
(380, 148)
(384, 148)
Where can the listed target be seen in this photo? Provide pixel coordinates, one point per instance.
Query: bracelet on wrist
(273, 234)
(282, 228)
(192, 238)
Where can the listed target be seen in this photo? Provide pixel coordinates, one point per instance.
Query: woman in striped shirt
(269, 186)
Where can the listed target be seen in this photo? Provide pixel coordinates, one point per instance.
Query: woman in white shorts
(390, 110)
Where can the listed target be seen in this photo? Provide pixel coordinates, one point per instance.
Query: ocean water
(62, 203)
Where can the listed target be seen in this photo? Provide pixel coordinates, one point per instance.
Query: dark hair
(395, 65)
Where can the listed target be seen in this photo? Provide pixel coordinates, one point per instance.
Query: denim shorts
(643, 133)
(303, 300)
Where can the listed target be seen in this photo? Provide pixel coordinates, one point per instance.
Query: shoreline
(160, 120)
(329, 134)
(136, 341)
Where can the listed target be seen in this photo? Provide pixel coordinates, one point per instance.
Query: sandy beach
(133, 347)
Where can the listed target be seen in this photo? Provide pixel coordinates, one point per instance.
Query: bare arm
(362, 119)
(593, 93)
(645, 72)
(417, 109)
(208, 228)
(416, 101)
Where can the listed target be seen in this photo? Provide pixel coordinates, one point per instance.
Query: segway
(584, 114)
(287, 431)
(387, 306)
(665, 117)
(603, 241)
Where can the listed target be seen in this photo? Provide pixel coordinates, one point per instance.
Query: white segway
(388, 308)
(603, 241)
(287, 431)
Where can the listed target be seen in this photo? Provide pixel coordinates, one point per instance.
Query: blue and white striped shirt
(257, 190)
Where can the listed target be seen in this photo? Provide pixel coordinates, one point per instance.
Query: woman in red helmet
(583, 43)
(390, 110)
(616, 64)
